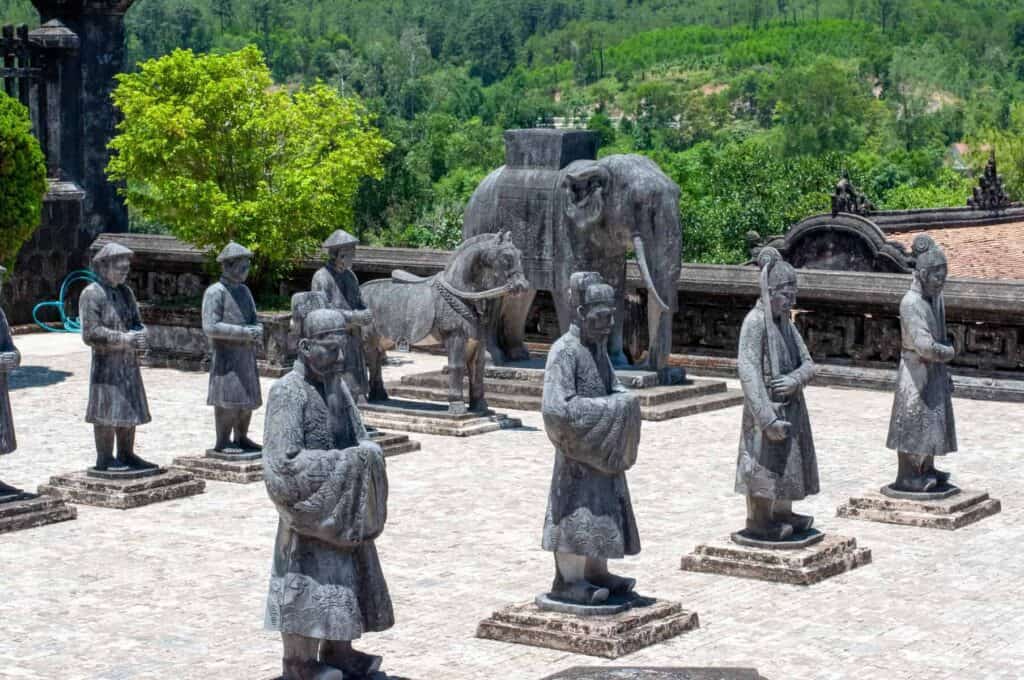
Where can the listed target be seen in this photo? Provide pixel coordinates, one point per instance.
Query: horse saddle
(402, 276)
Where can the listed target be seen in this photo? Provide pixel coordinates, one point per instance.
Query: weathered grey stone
(949, 512)
(338, 282)
(233, 330)
(939, 492)
(112, 327)
(326, 584)
(518, 385)
(606, 636)
(243, 468)
(122, 494)
(30, 511)
(613, 605)
(777, 463)
(652, 673)
(568, 212)
(922, 425)
(428, 418)
(451, 306)
(832, 556)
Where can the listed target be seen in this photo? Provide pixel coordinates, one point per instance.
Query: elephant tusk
(641, 259)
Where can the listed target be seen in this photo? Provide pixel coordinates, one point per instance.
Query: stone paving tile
(176, 590)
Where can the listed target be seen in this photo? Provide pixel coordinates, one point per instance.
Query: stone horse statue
(452, 306)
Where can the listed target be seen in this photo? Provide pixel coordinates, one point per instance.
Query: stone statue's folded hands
(255, 332)
(778, 431)
(784, 386)
(138, 340)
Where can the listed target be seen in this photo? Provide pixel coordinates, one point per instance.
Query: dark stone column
(88, 114)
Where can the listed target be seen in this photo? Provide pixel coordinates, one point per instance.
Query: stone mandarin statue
(777, 463)
(230, 324)
(339, 283)
(112, 327)
(10, 359)
(594, 424)
(922, 424)
(329, 484)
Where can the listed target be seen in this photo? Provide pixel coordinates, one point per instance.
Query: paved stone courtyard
(175, 590)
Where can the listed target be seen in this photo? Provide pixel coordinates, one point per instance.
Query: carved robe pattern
(342, 289)
(234, 378)
(786, 470)
(117, 397)
(922, 412)
(329, 484)
(594, 424)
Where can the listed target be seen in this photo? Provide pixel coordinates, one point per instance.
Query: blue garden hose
(69, 324)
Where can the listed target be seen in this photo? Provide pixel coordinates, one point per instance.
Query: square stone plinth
(605, 636)
(829, 557)
(433, 418)
(950, 513)
(34, 511)
(242, 469)
(121, 494)
(393, 444)
(654, 673)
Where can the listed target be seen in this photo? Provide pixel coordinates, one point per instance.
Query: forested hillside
(753, 106)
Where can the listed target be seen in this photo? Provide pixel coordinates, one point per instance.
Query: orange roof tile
(987, 252)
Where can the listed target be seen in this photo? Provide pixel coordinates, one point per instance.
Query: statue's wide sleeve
(7, 342)
(94, 333)
(914, 317)
(602, 432)
(335, 495)
(749, 365)
(213, 317)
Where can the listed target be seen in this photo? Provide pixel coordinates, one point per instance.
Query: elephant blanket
(594, 424)
(328, 481)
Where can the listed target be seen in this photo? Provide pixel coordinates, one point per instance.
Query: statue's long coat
(329, 484)
(594, 424)
(117, 397)
(342, 289)
(7, 440)
(786, 470)
(234, 379)
(922, 412)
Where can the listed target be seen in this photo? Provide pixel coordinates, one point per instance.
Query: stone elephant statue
(568, 212)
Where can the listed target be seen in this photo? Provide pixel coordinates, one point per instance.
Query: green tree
(822, 108)
(209, 147)
(22, 179)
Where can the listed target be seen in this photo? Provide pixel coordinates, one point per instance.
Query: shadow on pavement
(36, 376)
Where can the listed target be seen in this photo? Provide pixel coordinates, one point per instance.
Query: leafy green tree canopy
(22, 179)
(212, 149)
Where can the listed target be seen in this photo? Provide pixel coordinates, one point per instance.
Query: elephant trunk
(645, 272)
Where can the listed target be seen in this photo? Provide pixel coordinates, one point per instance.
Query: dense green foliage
(209, 148)
(753, 106)
(22, 179)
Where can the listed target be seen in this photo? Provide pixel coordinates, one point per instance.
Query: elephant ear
(584, 191)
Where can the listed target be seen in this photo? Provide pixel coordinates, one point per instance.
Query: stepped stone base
(239, 468)
(648, 622)
(27, 511)
(520, 386)
(933, 511)
(428, 418)
(830, 556)
(654, 673)
(163, 485)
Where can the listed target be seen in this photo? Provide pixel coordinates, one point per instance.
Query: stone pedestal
(121, 492)
(949, 508)
(520, 386)
(239, 467)
(654, 673)
(643, 623)
(242, 467)
(431, 418)
(26, 510)
(807, 559)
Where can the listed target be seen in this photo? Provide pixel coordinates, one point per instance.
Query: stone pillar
(88, 114)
